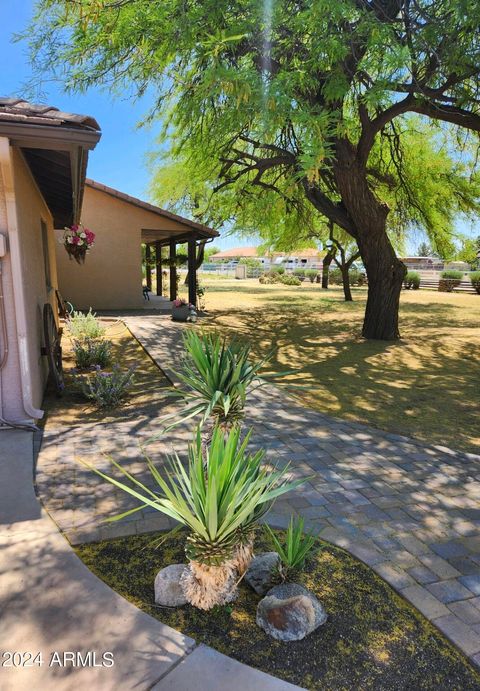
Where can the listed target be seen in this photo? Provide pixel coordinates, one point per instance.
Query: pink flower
(76, 240)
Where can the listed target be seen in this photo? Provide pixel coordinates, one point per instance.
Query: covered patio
(111, 277)
(155, 240)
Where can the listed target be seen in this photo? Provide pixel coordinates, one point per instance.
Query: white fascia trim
(6, 164)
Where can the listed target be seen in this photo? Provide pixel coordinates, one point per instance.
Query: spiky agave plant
(217, 375)
(218, 505)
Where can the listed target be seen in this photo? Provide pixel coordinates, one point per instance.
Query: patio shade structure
(155, 240)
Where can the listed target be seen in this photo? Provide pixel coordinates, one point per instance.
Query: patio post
(192, 272)
(158, 267)
(148, 256)
(173, 270)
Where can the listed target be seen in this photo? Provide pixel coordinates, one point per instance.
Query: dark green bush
(311, 274)
(412, 280)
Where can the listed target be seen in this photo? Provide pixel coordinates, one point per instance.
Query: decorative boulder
(289, 612)
(262, 572)
(168, 591)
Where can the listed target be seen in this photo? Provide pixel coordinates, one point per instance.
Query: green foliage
(214, 500)
(475, 277)
(311, 274)
(294, 550)
(89, 352)
(218, 374)
(277, 268)
(299, 272)
(107, 389)
(251, 262)
(81, 326)
(412, 280)
(452, 274)
(290, 280)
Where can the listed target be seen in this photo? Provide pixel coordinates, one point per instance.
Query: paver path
(410, 511)
(50, 602)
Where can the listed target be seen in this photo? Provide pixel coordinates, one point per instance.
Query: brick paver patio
(410, 511)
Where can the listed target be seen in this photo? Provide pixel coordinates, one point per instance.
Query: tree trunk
(368, 216)
(346, 283)
(385, 275)
(327, 260)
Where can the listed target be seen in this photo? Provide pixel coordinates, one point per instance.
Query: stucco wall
(31, 210)
(111, 277)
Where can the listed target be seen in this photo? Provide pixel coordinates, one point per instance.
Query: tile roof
(209, 232)
(16, 110)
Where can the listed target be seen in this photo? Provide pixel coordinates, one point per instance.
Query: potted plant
(77, 240)
(181, 310)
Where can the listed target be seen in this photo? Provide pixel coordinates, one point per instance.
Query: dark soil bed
(373, 639)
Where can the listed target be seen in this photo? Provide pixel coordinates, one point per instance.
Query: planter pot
(180, 314)
(76, 252)
(446, 285)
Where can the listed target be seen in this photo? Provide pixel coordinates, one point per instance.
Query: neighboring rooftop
(19, 111)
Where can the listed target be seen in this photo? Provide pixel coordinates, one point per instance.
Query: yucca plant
(295, 549)
(219, 503)
(218, 375)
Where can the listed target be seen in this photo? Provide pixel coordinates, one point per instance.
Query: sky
(120, 158)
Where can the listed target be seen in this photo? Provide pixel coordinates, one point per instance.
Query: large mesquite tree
(281, 95)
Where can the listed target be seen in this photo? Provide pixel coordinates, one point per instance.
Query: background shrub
(451, 274)
(412, 280)
(277, 269)
(475, 280)
(290, 280)
(311, 274)
(299, 273)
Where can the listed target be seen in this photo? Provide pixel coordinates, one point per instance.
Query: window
(46, 256)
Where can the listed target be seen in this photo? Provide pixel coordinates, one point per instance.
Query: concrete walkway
(410, 511)
(51, 603)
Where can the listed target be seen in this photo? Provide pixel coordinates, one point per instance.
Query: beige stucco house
(43, 160)
(111, 278)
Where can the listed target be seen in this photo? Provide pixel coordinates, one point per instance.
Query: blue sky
(120, 159)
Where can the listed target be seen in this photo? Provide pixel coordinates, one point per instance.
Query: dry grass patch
(425, 385)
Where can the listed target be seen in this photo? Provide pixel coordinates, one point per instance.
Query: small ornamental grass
(452, 275)
(107, 389)
(91, 352)
(219, 502)
(81, 326)
(311, 274)
(294, 550)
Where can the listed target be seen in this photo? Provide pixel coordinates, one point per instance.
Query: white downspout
(6, 164)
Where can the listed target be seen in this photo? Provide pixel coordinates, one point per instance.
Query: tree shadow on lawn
(424, 386)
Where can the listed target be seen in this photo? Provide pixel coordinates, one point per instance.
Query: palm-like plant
(218, 375)
(219, 504)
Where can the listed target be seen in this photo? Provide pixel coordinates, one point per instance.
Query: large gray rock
(263, 572)
(289, 612)
(168, 591)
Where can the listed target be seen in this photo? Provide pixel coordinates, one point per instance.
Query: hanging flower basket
(77, 240)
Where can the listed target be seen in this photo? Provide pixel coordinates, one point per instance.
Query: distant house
(307, 258)
(43, 159)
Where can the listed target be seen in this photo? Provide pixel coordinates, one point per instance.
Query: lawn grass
(424, 386)
(373, 639)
